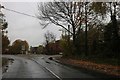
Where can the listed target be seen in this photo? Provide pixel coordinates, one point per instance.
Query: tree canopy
(17, 46)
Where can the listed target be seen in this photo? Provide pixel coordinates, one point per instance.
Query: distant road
(41, 67)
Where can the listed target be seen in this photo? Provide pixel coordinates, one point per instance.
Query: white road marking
(53, 73)
(48, 70)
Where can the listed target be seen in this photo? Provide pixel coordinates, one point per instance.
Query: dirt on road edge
(107, 69)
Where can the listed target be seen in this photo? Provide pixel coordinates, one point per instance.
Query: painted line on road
(53, 73)
(48, 70)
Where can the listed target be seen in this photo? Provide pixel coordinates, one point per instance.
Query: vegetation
(49, 38)
(5, 44)
(4, 61)
(91, 34)
(5, 40)
(19, 47)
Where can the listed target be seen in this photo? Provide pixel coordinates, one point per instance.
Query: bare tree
(49, 37)
(70, 13)
(61, 14)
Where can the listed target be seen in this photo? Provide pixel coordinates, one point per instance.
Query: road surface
(41, 67)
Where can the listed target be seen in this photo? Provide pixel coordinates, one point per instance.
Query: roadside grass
(4, 61)
(104, 65)
(97, 60)
(108, 61)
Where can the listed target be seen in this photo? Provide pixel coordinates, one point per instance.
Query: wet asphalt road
(25, 68)
(42, 67)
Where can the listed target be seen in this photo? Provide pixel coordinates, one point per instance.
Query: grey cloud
(25, 27)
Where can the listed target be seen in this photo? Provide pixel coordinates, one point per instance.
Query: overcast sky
(25, 27)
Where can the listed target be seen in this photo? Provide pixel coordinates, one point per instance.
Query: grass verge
(4, 61)
(107, 66)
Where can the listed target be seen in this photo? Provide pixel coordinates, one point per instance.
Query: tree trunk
(86, 40)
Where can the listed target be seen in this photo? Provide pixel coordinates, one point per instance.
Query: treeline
(93, 28)
(100, 44)
(19, 47)
(51, 45)
(3, 34)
